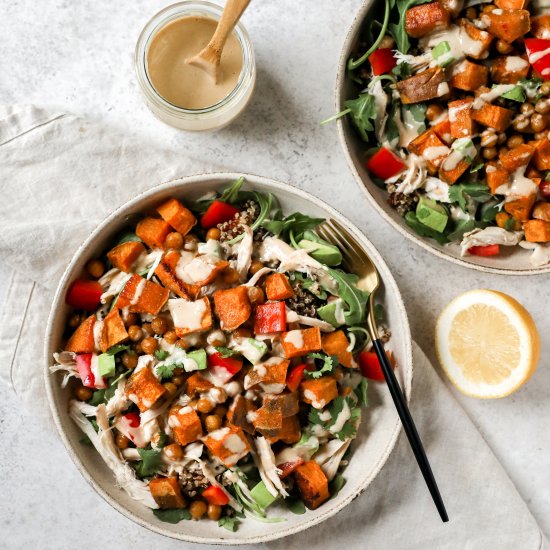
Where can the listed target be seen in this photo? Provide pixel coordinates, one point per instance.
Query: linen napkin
(60, 176)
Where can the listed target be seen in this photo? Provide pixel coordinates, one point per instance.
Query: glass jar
(215, 116)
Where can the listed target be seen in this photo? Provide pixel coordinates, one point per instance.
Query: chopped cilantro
(329, 362)
(361, 391)
(174, 515)
(167, 371)
(161, 354)
(336, 407)
(113, 350)
(149, 464)
(228, 523)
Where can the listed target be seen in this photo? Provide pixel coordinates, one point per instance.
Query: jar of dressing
(185, 96)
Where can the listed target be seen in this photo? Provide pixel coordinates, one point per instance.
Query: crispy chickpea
(387, 42)
(521, 123)
(220, 410)
(159, 325)
(489, 153)
(171, 337)
(190, 242)
(256, 295)
(213, 233)
(129, 360)
(173, 240)
(538, 122)
(178, 380)
(135, 333)
(83, 394)
(214, 512)
(502, 150)
(95, 268)
(212, 422)
(170, 388)
(471, 13)
(149, 345)
(197, 509)
(121, 441)
(182, 343)
(515, 141)
(173, 451)
(255, 266)
(130, 319)
(488, 9)
(204, 405)
(147, 329)
(433, 111)
(74, 320)
(192, 404)
(489, 138)
(502, 137)
(502, 46)
(545, 88)
(137, 348)
(216, 338)
(178, 371)
(230, 275)
(242, 332)
(541, 135)
(527, 109)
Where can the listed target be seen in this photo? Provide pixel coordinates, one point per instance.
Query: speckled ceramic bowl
(378, 432)
(511, 261)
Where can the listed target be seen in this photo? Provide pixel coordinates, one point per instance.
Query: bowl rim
(178, 184)
(341, 77)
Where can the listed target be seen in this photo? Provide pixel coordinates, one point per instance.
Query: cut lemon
(487, 343)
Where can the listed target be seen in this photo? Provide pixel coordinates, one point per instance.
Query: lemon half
(487, 343)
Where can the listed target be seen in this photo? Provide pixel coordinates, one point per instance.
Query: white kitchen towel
(61, 175)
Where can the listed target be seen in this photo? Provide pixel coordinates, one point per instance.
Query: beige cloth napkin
(61, 175)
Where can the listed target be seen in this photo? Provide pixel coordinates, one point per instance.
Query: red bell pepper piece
(489, 250)
(270, 317)
(538, 53)
(382, 61)
(288, 468)
(385, 163)
(296, 375)
(218, 212)
(133, 418)
(84, 367)
(223, 368)
(370, 365)
(84, 294)
(215, 495)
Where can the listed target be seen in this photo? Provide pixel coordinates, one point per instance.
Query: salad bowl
(377, 434)
(512, 260)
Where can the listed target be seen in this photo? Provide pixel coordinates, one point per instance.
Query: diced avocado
(252, 349)
(262, 496)
(198, 357)
(431, 214)
(321, 250)
(442, 54)
(106, 365)
(332, 313)
(515, 94)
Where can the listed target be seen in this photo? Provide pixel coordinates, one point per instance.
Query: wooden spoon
(209, 58)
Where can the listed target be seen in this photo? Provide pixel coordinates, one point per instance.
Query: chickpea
(488, 9)
(489, 153)
(173, 240)
(214, 512)
(204, 405)
(502, 150)
(192, 404)
(502, 46)
(83, 394)
(147, 329)
(191, 242)
(527, 109)
(216, 338)
(178, 371)
(471, 14)
(170, 388)
(135, 333)
(230, 275)
(541, 135)
(173, 451)
(74, 320)
(149, 345)
(213, 233)
(256, 295)
(178, 380)
(255, 266)
(488, 138)
(159, 325)
(212, 422)
(130, 319)
(220, 410)
(121, 441)
(502, 137)
(171, 337)
(182, 343)
(387, 42)
(538, 122)
(545, 88)
(520, 123)
(137, 348)
(197, 509)
(95, 268)
(515, 141)
(433, 111)
(129, 360)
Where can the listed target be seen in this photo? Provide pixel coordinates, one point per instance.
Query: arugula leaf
(228, 523)
(128, 236)
(161, 354)
(297, 222)
(174, 515)
(295, 505)
(361, 391)
(397, 30)
(102, 396)
(329, 363)
(226, 352)
(462, 227)
(392, 130)
(363, 112)
(336, 407)
(117, 349)
(231, 193)
(149, 464)
(309, 284)
(402, 70)
(417, 110)
(167, 371)
(423, 230)
(354, 298)
(336, 485)
(459, 193)
(476, 167)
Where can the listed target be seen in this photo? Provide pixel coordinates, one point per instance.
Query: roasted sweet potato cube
(493, 116)
(277, 287)
(312, 484)
(153, 231)
(166, 272)
(481, 40)
(443, 131)
(269, 375)
(124, 255)
(289, 433)
(541, 157)
(237, 415)
(268, 421)
(541, 211)
(537, 231)
(509, 69)
(428, 84)
(142, 296)
(460, 118)
(450, 172)
(167, 492)
(424, 19)
(113, 331)
(453, 7)
(318, 392)
(227, 444)
(185, 423)
(507, 24)
(469, 76)
(144, 389)
(189, 317)
(179, 217)
(521, 208)
(300, 342)
(540, 26)
(336, 343)
(197, 384)
(517, 157)
(511, 4)
(430, 147)
(496, 175)
(82, 339)
(232, 307)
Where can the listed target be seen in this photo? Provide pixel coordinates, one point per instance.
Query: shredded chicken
(489, 235)
(66, 361)
(244, 254)
(330, 455)
(112, 283)
(258, 275)
(541, 253)
(265, 461)
(293, 317)
(412, 178)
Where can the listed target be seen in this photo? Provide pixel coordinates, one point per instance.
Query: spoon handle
(231, 14)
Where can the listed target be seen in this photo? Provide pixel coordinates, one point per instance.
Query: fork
(357, 261)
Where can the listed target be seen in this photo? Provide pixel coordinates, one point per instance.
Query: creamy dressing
(491, 95)
(437, 189)
(138, 292)
(234, 444)
(198, 269)
(187, 315)
(456, 109)
(520, 186)
(310, 396)
(537, 56)
(436, 152)
(460, 42)
(343, 416)
(295, 338)
(515, 63)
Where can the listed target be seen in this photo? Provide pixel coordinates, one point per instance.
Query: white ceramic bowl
(379, 429)
(511, 261)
